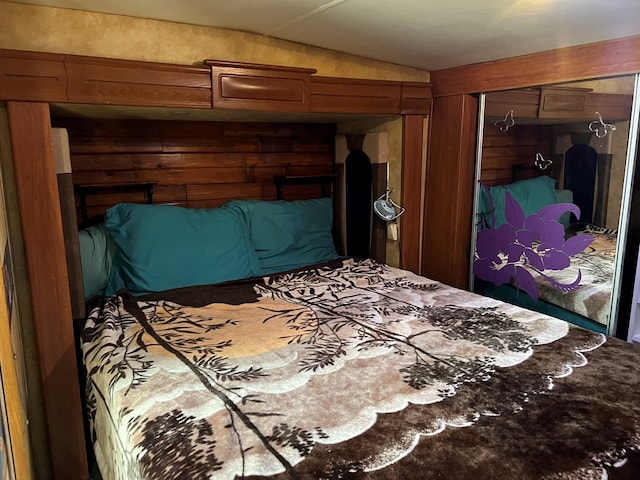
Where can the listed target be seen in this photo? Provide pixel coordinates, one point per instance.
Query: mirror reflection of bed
(555, 145)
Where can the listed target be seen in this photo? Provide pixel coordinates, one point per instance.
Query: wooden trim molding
(48, 77)
(346, 95)
(449, 190)
(602, 59)
(416, 98)
(32, 76)
(412, 142)
(221, 85)
(38, 199)
(127, 82)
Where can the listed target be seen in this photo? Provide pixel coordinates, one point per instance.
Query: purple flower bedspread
(353, 370)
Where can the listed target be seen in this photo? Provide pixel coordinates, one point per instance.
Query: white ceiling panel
(428, 34)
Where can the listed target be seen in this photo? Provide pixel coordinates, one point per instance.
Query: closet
(548, 145)
(450, 179)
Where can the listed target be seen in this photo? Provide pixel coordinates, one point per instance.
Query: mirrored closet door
(553, 179)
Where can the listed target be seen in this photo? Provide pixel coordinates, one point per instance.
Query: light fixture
(386, 208)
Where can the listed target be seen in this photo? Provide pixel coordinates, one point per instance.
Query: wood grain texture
(202, 166)
(72, 78)
(602, 59)
(50, 299)
(17, 451)
(345, 95)
(517, 146)
(412, 142)
(449, 190)
(72, 243)
(122, 82)
(415, 98)
(33, 77)
(219, 85)
(259, 87)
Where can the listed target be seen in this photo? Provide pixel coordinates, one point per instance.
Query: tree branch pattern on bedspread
(296, 375)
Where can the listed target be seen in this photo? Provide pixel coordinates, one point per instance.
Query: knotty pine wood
(194, 164)
(43, 239)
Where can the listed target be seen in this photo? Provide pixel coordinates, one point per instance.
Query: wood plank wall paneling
(194, 164)
(517, 146)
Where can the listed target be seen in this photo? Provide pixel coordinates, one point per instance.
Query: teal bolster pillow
(161, 247)
(531, 194)
(289, 234)
(97, 250)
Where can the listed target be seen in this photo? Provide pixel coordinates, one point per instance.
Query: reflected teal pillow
(289, 234)
(531, 194)
(161, 247)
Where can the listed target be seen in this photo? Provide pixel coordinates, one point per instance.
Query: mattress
(595, 266)
(353, 370)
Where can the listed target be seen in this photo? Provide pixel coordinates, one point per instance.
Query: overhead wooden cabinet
(557, 102)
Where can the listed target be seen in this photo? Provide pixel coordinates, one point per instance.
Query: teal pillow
(161, 247)
(531, 194)
(288, 235)
(97, 250)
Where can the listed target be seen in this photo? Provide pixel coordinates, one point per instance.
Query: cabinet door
(449, 190)
(574, 159)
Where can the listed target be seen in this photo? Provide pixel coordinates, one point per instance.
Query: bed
(581, 289)
(596, 265)
(310, 365)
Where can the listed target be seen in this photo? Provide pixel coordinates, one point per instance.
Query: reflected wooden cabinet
(558, 102)
(575, 137)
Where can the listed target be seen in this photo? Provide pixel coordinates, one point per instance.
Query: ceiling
(427, 34)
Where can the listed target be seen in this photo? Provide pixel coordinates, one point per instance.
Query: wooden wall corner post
(449, 190)
(39, 206)
(412, 150)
